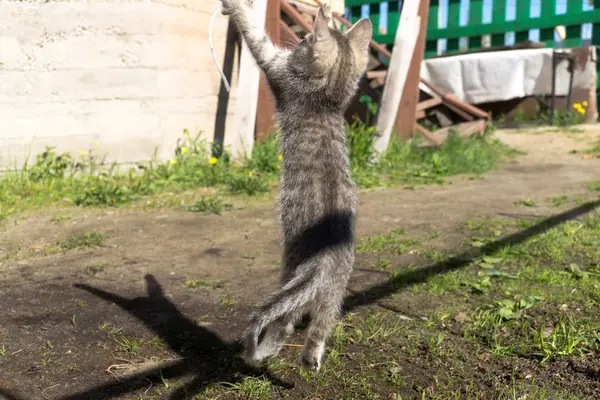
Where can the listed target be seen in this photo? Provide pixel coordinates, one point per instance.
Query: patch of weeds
(253, 388)
(569, 337)
(196, 283)
(228, 301)
(499, 325)
(95, 268)
(110, 329)
(266, 157)
(432, 254)
(128, 345)
(595, 186)
(391, 242)
(527, 203)
(212, 205)
(60, 218)
(248, 182)
(83, 240)
(375, 328)
(382, 263)
(559, 200)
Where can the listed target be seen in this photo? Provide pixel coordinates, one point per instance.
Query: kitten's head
(330, 61)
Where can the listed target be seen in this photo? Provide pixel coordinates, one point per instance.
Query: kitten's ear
(359, 36)
(320, 28)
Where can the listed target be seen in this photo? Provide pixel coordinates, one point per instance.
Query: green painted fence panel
(523, 11)
(475, 18)
(573, 38)
(498, 18)
(453, 23)
(431, 46)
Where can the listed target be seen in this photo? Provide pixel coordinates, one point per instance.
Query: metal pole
(553, 101)
(572, 72)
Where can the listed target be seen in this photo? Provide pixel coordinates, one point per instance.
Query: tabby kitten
(312, 86)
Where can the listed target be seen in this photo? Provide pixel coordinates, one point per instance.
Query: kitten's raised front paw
(229, 7)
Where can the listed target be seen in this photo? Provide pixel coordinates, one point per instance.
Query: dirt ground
(60, 309)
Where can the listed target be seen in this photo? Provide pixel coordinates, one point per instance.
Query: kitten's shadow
(205, 357)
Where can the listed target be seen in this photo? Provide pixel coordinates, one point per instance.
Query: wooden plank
(452, 100)
(432, 102)
(475, 18)
(499, 18)
(407, 108)
(404, 46)
(265, 113)
(428, 134)
(247, 91)
(523, 11)
(420, 115)
(462, 129)
(287, 37)
(295, 16)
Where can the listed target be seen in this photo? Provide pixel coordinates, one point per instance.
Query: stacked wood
(296, 19)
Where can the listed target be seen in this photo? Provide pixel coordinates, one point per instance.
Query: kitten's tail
(294, 295)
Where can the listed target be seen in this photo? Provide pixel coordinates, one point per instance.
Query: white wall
(127, 74)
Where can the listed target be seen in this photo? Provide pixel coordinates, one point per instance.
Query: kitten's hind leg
(323, 318)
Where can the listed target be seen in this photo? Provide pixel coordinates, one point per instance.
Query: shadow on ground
(207, 359)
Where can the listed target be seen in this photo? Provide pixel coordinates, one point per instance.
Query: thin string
(212, 48)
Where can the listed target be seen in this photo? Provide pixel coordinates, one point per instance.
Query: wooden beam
(428, 134)
(295, 16)
(265, 112)
(448, 98)
(404, 45)
(407, 108)
(287, 37)
(247, 91)
(432, 102)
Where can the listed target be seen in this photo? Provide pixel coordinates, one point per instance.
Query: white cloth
(503, 75)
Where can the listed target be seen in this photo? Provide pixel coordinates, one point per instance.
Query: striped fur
(312, 86)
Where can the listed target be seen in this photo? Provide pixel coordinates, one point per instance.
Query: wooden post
(265, 113)
(247, 91)
(407, 110)
(404, 46)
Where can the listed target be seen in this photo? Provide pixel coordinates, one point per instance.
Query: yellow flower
(93, 188)
(250, 173)
(280, 157)
(212, 161)
(585, 103)
(173, 162)
(581, 111)
(184, 149)
(278, 166)
(576, 106)
(82, 152)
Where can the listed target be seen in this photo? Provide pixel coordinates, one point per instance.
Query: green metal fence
(469, 31)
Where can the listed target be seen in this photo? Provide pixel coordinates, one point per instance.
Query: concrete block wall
(124, 77)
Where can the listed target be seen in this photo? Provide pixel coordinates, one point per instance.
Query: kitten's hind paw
(309, 363)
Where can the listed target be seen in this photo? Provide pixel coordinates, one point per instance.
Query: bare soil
(70, 321)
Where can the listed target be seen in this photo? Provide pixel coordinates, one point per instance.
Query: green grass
(209, 205)
(87, 180)
(196, 283)
(82, 240)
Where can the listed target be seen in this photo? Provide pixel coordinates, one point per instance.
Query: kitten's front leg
(258, 42)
